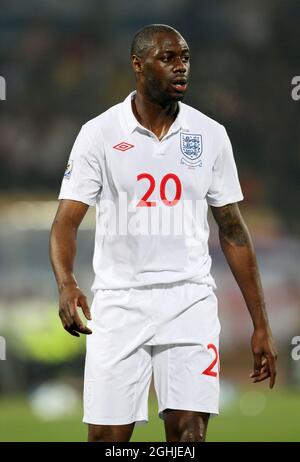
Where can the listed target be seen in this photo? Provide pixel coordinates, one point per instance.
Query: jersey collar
(178, 124)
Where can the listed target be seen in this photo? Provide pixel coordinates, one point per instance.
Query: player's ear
(137, 64)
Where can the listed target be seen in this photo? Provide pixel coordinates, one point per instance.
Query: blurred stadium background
(67, 61)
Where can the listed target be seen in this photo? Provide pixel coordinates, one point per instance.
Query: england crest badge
(191, 148)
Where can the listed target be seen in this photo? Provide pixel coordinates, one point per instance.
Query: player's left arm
(238, 249)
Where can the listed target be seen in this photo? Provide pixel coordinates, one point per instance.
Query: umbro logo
(123, 146)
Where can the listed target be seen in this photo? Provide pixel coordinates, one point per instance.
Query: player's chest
(177, 167)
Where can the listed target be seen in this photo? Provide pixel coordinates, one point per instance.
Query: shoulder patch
(68, 170)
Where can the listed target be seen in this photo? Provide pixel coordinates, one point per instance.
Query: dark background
(66, 62)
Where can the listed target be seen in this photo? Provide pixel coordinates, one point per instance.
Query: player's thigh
(110, 433)
(116, 389)
(117, 371)
(186, 380)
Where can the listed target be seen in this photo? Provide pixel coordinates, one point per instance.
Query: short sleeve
(82, 179)
(225, 186)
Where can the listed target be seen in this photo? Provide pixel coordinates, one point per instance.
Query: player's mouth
(179, 84)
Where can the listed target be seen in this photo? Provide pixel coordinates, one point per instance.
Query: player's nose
(180, 66)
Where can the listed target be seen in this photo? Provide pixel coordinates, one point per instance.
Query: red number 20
(169, 176)
(208, 370)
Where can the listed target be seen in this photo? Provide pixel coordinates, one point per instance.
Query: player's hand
(70, 298)
(265, 356)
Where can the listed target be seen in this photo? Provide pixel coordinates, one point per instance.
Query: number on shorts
(209, 370)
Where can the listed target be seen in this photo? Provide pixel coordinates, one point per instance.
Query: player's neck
(154, 116)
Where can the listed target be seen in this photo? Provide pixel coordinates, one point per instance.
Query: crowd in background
(66, 62)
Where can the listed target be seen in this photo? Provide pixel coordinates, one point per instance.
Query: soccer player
(151, 164)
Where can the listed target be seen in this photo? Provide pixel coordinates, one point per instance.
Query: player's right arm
(62, 254)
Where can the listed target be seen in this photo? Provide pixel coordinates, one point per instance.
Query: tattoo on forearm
(232, 227)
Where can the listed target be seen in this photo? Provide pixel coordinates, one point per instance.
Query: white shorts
(171, 330)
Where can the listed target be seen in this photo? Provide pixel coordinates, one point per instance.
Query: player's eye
(185, 58)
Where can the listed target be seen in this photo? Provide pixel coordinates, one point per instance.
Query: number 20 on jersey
(145, 202)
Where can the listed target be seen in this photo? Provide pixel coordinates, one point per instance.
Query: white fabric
(102, 175)
(167, 329)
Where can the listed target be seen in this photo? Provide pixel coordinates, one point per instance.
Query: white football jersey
(151, 195)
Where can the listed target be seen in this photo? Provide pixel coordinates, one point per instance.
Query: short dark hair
(142, 39)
